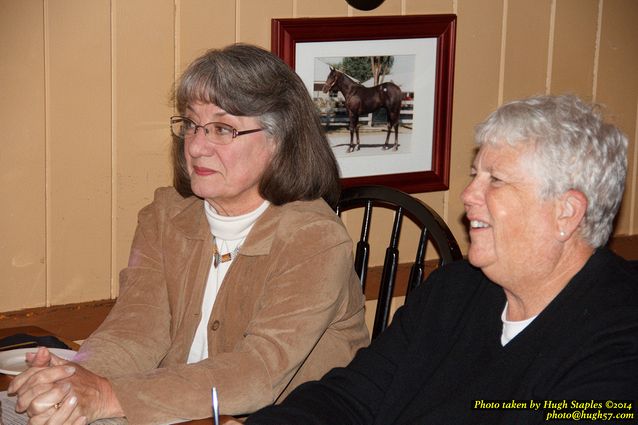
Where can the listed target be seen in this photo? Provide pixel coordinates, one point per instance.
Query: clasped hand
(56, 391)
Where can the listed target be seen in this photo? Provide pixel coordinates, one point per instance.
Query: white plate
(13, 362)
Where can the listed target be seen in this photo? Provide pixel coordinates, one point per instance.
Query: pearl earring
(562, 233)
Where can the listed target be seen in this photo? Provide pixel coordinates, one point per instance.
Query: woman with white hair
(541, 318)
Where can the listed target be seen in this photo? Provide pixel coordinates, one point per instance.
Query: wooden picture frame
(421, 161)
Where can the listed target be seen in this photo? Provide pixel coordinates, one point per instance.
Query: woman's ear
(572, 206)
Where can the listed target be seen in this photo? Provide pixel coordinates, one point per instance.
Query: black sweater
(442, 355)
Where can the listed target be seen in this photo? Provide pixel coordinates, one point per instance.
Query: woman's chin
(203, 190)
(477, 258)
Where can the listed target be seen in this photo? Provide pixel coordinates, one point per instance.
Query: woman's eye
(222, 130)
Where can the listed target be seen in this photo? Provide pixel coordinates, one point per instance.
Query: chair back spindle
(417, 271)
(433, 229)
(363, 246)
(388, 276)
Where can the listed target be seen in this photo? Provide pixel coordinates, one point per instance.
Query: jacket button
(215, 325)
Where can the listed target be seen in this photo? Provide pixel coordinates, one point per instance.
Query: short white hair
(573, 149)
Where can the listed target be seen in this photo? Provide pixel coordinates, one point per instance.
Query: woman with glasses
(240, 276)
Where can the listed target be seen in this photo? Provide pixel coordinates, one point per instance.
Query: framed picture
(383, 87)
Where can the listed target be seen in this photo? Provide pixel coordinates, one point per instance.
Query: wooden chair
(433, 229)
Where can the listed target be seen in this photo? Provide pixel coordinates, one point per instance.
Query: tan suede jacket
(290, 309)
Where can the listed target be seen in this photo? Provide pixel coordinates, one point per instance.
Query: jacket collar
(190, 219)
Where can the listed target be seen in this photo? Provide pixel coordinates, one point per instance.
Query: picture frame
(420, 50)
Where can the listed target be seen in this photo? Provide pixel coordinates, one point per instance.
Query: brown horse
(361, 100)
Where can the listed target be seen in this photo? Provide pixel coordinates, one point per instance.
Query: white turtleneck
(229, 233)
(512, 328)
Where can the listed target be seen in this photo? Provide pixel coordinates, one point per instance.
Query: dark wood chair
(433, 229)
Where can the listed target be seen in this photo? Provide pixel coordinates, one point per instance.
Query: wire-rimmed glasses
(215, 132)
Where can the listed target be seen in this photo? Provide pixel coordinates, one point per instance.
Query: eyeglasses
(215, 132)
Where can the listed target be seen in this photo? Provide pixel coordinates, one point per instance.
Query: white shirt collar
(232, 228)
(512, 328)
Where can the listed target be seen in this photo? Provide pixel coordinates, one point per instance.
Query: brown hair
(246, 80)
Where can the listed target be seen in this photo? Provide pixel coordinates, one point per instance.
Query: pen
(215, 406)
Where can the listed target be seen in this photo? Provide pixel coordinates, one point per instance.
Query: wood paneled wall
(86, 97)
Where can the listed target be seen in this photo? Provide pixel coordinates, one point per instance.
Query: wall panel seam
(114, 192)
(501, 67)
(177, 17)
(446, 206)
(237, 8)
(599, 25)
(550, 47)
(47, 153)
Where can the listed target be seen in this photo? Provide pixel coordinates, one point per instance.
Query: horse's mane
(349, 76)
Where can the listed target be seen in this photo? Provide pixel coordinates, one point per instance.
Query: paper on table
(9, 416)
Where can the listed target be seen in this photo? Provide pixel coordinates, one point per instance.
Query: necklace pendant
(223, 258)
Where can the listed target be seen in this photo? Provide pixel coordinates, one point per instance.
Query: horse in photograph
(362, 100)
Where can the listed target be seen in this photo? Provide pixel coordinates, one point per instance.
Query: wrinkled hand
(37, 384)
(41, 358)
(62, 392)
(64, 413)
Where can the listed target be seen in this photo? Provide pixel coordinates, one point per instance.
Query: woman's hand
(63, 392)
(62, 413)
(36, 387)
(40, 358)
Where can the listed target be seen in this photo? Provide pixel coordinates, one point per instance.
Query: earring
(562, 234)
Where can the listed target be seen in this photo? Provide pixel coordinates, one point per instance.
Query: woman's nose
(198, 145)
(472, 194)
